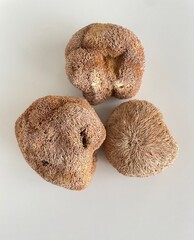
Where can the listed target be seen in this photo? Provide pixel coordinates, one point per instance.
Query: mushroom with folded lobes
(105, 60)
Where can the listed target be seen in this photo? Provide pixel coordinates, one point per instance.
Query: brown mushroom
(138, 142)
(105, 60)
(58, 137)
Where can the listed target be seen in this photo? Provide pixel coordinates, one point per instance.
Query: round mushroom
(138, 142)
(105, 60)
(58, 137)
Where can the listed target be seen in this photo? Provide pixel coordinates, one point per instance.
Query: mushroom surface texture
(105, 60)
(138, 142)
(58, 137)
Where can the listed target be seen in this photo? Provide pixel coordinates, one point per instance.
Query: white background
(33, 35)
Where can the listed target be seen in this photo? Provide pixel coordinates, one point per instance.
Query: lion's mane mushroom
(58, 137)
(138, 142)
(104, 60)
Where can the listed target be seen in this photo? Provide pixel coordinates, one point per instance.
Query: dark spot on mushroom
(45, 163)
(73, 68)
(83, 137)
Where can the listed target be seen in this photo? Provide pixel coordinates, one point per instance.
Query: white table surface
(33, 35)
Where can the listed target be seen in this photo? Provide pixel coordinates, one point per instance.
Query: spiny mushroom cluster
(58, 136)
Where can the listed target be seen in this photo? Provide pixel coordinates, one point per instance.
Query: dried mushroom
(138, 142)
(105, 60)
(58, 137)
